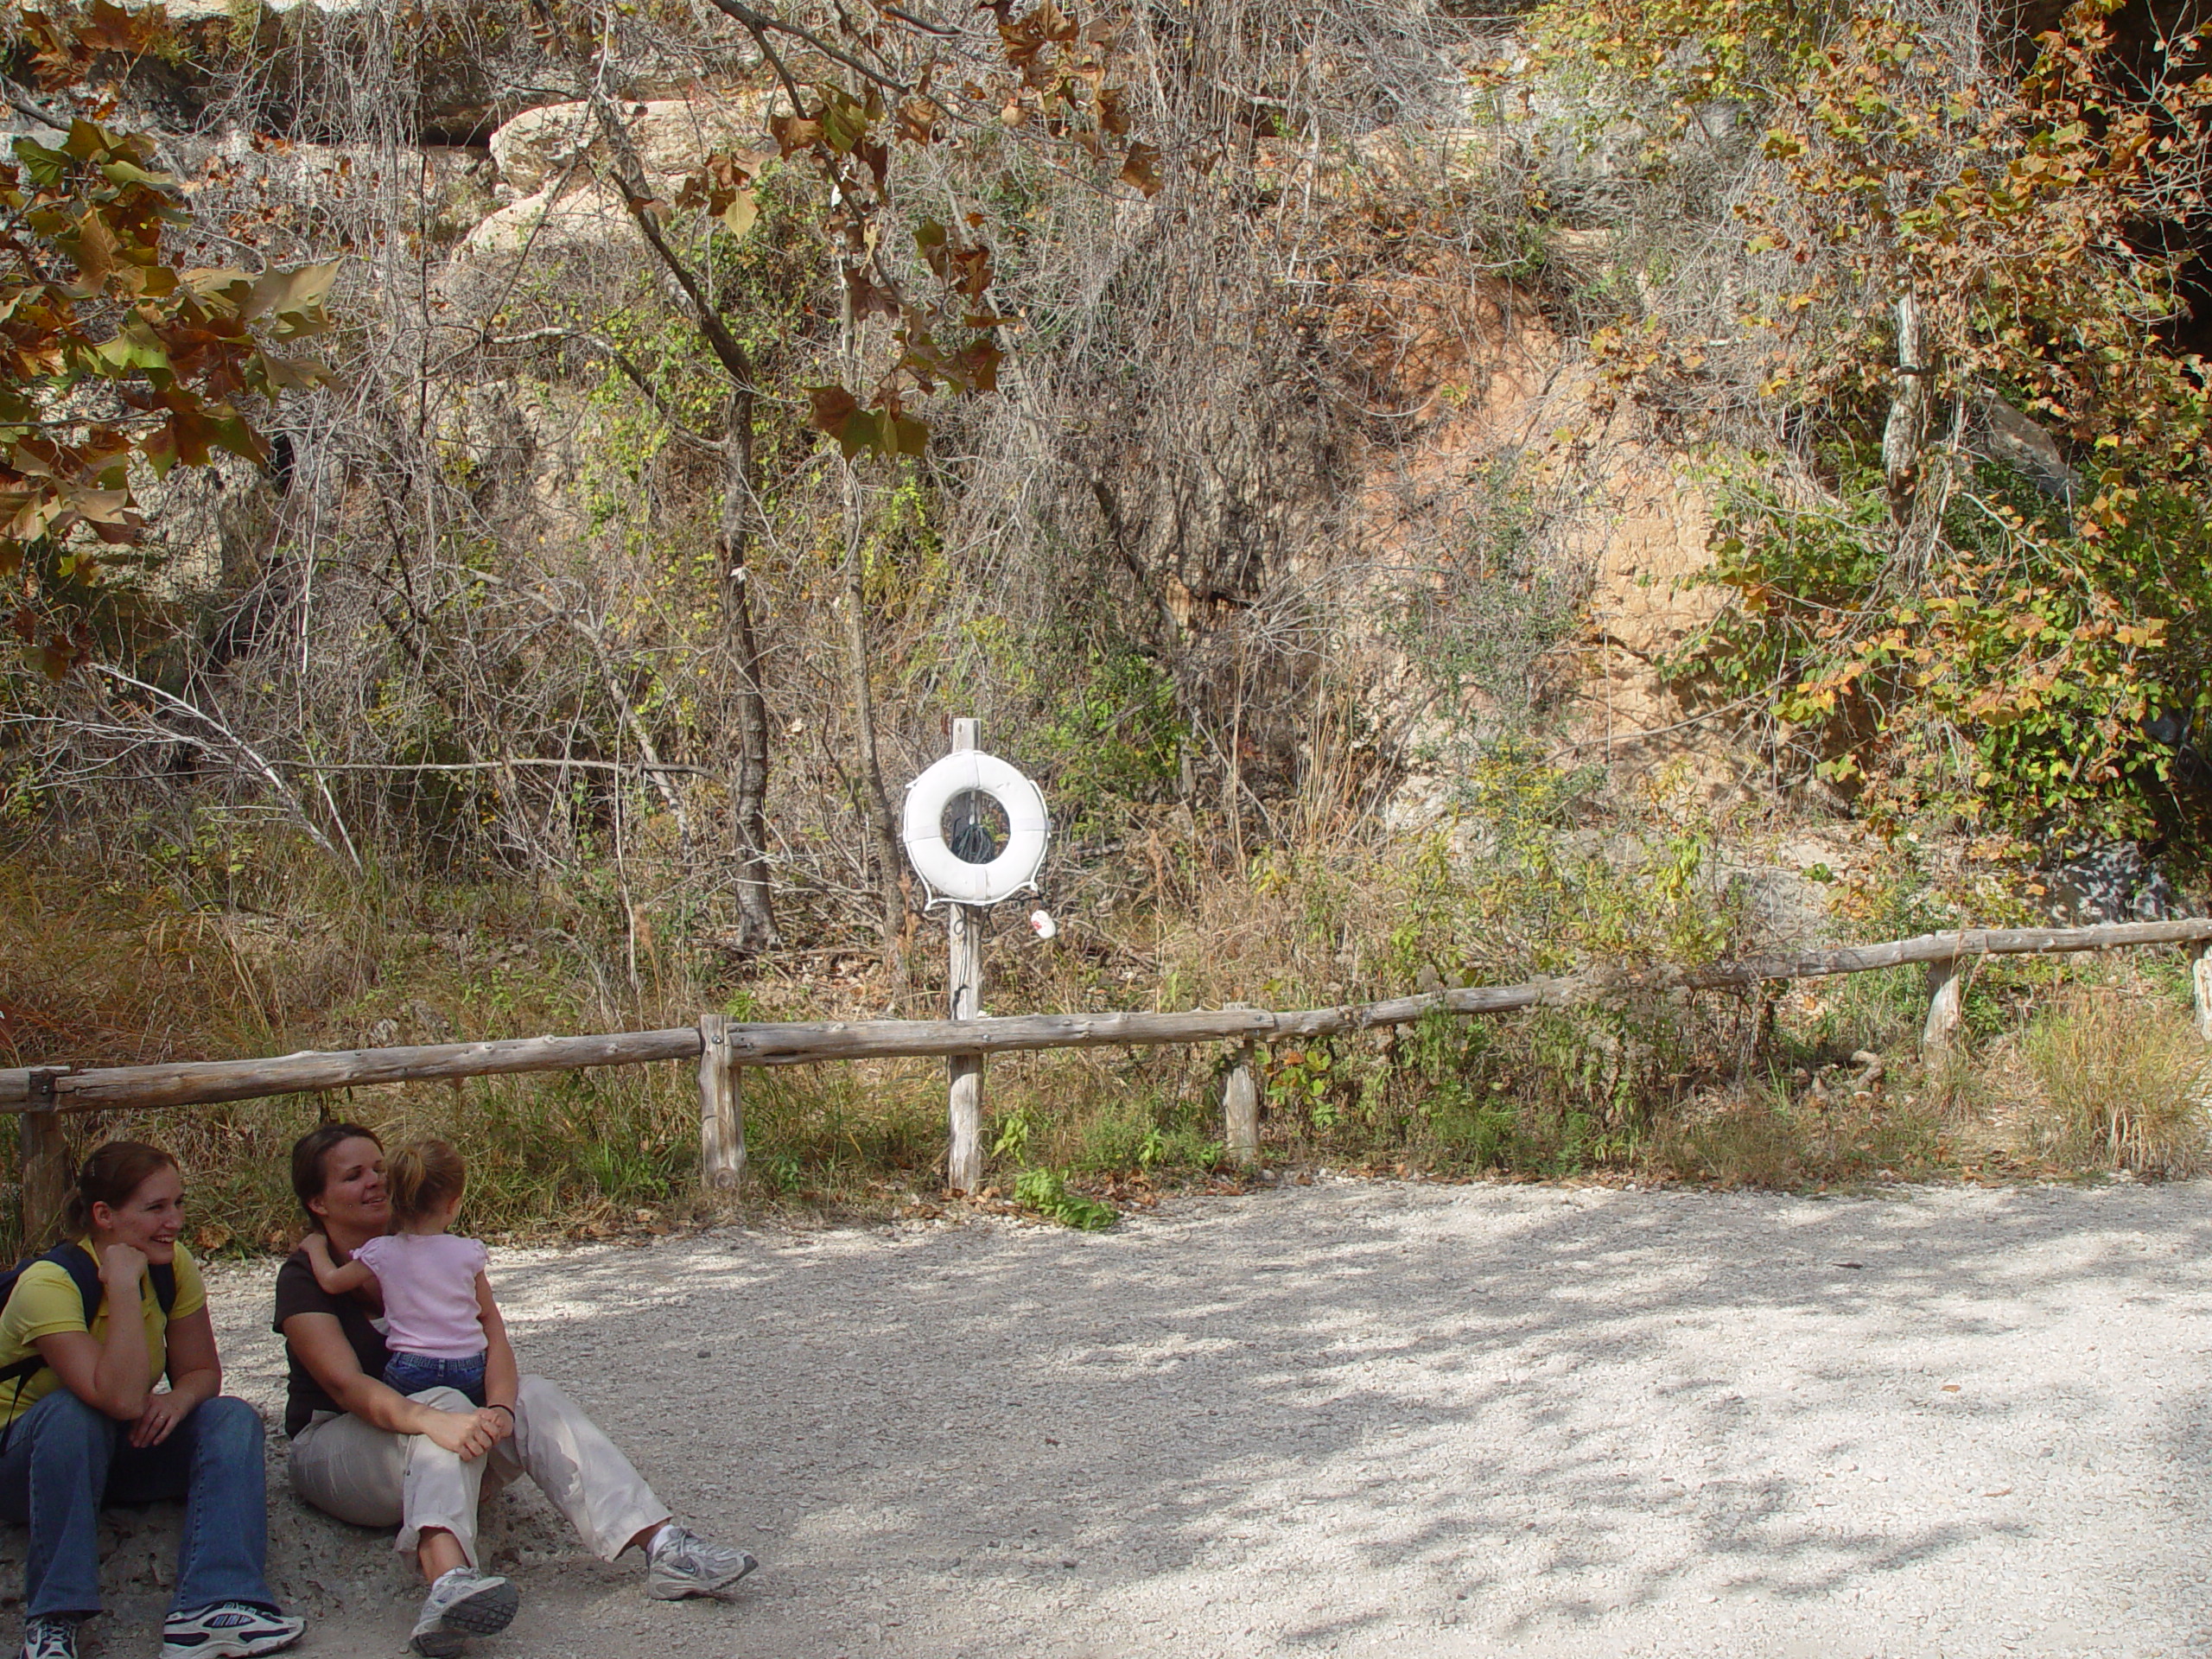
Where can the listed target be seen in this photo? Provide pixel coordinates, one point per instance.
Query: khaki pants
(376, 1478)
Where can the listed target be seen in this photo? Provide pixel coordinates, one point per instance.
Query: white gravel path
(1365, 1418)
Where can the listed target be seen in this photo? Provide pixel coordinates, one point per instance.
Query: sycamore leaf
(297, 293)
(87, 139)
(869, 298)
(739, 217)
(136, 346)
(297, 373)
(978, 364)
(1142, 168)
(92, 245)
(793, 133)
(122, 172)
(100, 506)
(832, 406)
(189, 435)
(862, 429)
(159, 448)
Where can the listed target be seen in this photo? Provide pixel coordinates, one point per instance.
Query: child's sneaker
(683, 1564)
(49, 1638)
(461, 1604)
(228, 1629)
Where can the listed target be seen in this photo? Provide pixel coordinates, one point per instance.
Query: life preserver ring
(943, 872)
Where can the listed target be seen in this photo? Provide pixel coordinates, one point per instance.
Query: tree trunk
(1905, 432)
(883, 828)
(756, 904)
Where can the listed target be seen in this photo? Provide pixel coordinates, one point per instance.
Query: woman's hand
(500, 1420)
(464, 1433)
(120, 1268)
(159, 1420)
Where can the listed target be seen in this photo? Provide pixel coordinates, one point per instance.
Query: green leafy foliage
(1048, 1193)
(1112, 733)
(1981, 572)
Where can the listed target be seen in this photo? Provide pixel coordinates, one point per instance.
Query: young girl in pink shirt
(433, 1284)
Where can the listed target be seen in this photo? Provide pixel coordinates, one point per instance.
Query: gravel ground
(1361, 1418)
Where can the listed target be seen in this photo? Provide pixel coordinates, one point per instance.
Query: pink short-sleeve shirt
(428, 1282)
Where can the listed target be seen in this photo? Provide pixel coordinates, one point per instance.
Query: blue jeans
(412, 1373)
(64, 1460)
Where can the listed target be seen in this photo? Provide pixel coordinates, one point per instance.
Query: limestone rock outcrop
(559, 143)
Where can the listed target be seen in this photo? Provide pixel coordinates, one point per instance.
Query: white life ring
(945, 873)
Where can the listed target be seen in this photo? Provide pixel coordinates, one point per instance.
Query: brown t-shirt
(297, 1292)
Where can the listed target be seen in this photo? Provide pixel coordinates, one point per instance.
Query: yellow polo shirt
(45, 1303)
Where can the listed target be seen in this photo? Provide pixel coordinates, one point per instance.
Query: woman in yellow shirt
(85, 1424)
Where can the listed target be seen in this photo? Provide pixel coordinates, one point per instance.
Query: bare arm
(194, 1368)
(335, 1280)
(114, 1374)
(320, 1342)
(195, 1372)
(502, 1377)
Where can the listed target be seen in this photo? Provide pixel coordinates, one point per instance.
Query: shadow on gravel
(1351, 1407)
(1530, 1396)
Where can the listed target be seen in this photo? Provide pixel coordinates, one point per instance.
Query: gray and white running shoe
(49, 1638)
(228, 1629)
(461, 1604)
(683, 1564)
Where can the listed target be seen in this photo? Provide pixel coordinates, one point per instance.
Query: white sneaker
(461, 1604)
(683, 1564)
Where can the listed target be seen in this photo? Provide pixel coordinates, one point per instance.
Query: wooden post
(722, 1111)
(1945, 987)
(1240, 1104)
(965, 1072)
(45, 1164)
(2200, 987)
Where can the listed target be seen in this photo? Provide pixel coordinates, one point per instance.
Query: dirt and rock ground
(1359, 1419)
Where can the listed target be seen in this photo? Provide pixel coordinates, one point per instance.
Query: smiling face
(149, 1220)
(353, 1204)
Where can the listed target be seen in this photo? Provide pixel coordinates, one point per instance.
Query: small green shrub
(1045, 1192)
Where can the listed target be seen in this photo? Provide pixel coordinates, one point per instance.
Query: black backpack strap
(85, 1273)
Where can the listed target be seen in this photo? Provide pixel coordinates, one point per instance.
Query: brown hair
(423, 1175)
(110, 1175)
(309, 1178)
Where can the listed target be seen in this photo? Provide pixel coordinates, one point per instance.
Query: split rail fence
(723, 1047)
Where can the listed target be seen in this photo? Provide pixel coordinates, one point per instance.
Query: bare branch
(760, 23)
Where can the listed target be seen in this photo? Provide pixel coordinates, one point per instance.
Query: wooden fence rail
(722, 1046)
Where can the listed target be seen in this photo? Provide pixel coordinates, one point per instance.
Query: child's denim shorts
(412, 1373)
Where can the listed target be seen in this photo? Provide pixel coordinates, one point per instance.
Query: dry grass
(2121, 1081)
(1762, 1137)
(119, 969)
